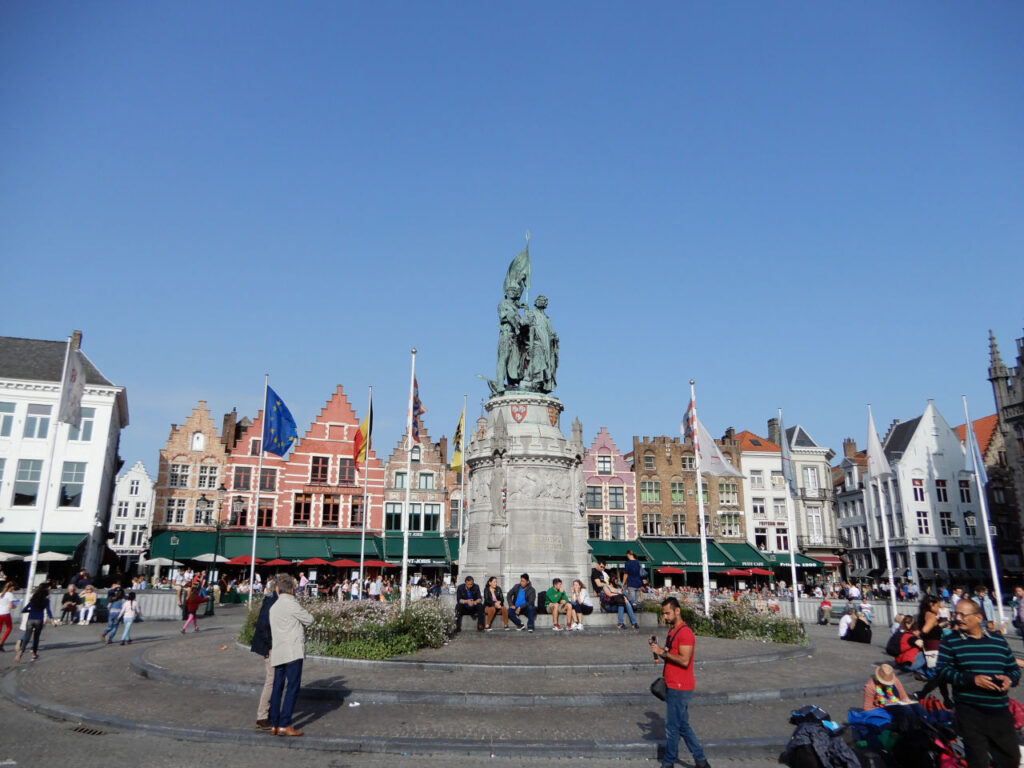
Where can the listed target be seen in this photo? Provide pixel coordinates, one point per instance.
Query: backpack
(892, 647)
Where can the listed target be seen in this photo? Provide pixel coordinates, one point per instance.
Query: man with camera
(981, 669)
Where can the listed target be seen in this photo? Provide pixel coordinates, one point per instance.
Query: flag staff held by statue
(879, 470)
(790, 481)
(362, 456)
(412, 439)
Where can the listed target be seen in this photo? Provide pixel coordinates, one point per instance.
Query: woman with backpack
(618, 601)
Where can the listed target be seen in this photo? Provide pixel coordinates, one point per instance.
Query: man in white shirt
(846, 621)
(853, 592)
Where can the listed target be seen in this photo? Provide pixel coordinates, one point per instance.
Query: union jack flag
(417, 411)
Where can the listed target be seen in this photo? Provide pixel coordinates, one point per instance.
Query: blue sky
(805, 205)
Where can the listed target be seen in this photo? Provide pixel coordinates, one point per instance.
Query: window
(415, 512)
(811, 481)
(688, 462)
(83, 432)
(254, 447)
(331, 511)
(757, 506)
(399, 480)
(761, 538)
(594, 497)
(730, 524)
(393, 516)
(431, 517)
(779, 509)
(318, 468)
(239, 517)
(777, 479)
(198, 441)
(998, 496)
(133, 488)
(356, 512)
(243, 478)
(268, 480)
(122, 509)
(728, 494)
(918, 486)
(650, 491)
(140, 509)
(138, 536)
(649, 461)
(940, 490)
(175, 514)
(923, 527)
(26, 482)
(617, 527)
(616, 497)
(416, 453)
(970, 525)
(207, 477)
(678, 524)
(178, 477)
(678, 491)
(594, 527)
(704, 493)
(426, 481)
(651, 525)
(756, 478)
(965, 491)
(781, 539)
(265, 513)
(119, 532)
(302, 509)
(604, 465)
(453, 512)
(815, 525)
(6, 419)
(346, 472)
(37, 423)
(946, 523)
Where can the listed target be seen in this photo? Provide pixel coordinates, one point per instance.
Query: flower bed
(363, 629)
(737, 621)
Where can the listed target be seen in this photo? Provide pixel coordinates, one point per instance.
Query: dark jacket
(462, 593)
(498, 593)
(531, 595)
(261, 638)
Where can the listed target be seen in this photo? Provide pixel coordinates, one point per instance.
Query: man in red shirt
(679, 683)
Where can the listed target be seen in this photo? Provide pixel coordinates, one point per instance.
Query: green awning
(190, 544)
(21, 543)
(452, 544)
(689, 551)
(238, 544)
(744, 555)
(661, 552)
(426, 549)
(612, 552)
(302, 547)
(348, 547)
(781, 560)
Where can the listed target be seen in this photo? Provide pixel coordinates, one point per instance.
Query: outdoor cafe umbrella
(669, 569)
(734, 572)
(6, 557)
(277, 561)
(378, 564)
(163, 562)
(314, 561)
(242, 560)
(345, 563)
(760, 572)
(52, 557)
(208, 557)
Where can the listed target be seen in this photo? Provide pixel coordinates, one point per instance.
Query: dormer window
(198, 441)
(415, 455)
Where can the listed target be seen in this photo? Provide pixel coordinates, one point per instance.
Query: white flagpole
(55, 422)
(255, 506)
(462, 498)
(366, 488)
(791, 523)
(408, 487)
(983, 502)
(700, 509)
(885, 524)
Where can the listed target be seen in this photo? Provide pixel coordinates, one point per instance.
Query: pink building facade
(610, 491)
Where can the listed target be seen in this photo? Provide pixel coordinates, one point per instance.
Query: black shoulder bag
(658, 687)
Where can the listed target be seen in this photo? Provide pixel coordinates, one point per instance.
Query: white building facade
(131, 516)
(78, 484)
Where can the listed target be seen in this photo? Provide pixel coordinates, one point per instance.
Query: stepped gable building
(851, 517)
(610, 494)
(1008, 390)
(131, 515)
(666, 479)
(85, 460)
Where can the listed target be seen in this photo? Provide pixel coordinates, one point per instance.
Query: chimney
(227, 434)
(849, 447)
(730, 434)
(76, 339)
(442, 446)
(773, 432)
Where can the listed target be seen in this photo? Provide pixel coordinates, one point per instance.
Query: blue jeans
(531, 615)
(628, 609)
(677, 723)
(126, 635)
(287, 679)
(112, 622)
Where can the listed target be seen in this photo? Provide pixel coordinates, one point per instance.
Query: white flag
(712, 461)
(878, 465)
(71, 390)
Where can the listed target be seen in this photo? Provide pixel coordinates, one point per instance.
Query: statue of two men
(527, 346)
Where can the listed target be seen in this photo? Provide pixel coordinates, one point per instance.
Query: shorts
(586, 610)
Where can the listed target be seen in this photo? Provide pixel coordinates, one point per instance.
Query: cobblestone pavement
(209, 697)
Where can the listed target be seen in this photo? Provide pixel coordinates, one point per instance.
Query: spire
(996, 369)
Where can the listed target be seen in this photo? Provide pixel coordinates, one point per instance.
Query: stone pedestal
(526, 489)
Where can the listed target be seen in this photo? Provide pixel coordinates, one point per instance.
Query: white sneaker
(579, 627)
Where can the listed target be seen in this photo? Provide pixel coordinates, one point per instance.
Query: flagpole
(408, 487)
(700, 511)
(33, 566)
(790, 521)
(366, 488)
(462, 498)
(983, 502)
(256, 501)
(881, 512)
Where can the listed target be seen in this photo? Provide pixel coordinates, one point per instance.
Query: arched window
(198, 441)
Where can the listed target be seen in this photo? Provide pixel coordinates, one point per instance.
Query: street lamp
(174, 550)
(207, 506)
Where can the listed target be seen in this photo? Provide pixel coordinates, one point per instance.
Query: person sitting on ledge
(469, 602)
(558, 602)
(522, 598)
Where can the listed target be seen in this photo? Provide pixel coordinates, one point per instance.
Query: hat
(885, 675)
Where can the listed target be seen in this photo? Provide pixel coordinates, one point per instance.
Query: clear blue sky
(805, 205)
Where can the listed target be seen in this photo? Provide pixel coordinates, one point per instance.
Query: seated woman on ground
(911, 655)
(860, 630)
(618, 601)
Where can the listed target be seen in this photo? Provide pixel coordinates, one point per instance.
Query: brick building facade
(610, 495)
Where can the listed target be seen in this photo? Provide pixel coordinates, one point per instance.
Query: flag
(279, 430)
(457, 443)
(711, 460)
(689, 425)
(787, 461)
(878, 465)
(518, 276)
(71, 390)
(972, 455)
(361, 442)
(417, 411)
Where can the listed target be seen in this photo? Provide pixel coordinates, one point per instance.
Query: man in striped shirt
(981, 669)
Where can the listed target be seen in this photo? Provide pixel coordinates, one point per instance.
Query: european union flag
(279, 430)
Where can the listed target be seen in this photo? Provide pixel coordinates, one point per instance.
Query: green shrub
(739, 621)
